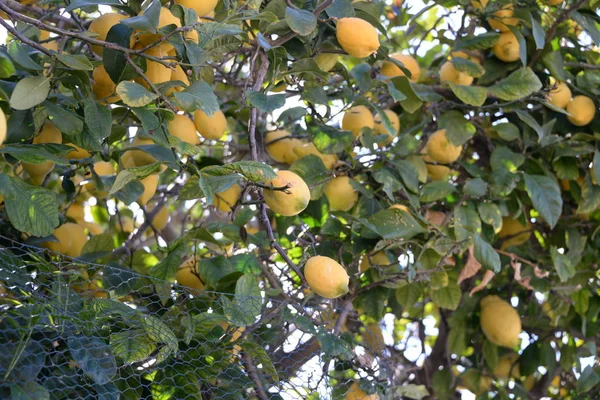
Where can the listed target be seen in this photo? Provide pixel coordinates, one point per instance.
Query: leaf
(507, 131)
(504, 158)
(472, 95)
(409, 294)
(490, 214)
(38, 153)
(490, 354)
(147, 21)
(30, 92)
(253, 171)
(390, 183)
(447, 297)
(589, 25)
(265, 103)
(467, 66)
(248, 298)
(487, 277)
(314, 173)
(198, 96)
(409, 174)
(258, 353)
(458, 129)
(20, 56)
(31, 209)
(114, 61)
(340, 9)
(539, 36)
(588, 379)
(529, 120)
(168, 266)
(394, 223)
(329, 140)
(545, 196)
(123, 178)
(28, 390)
(466, 222)
(7, 68)
(479, 42)
(517, 85)
(102, 243)
(457, 339)
(590, 195)
(412, 391)
(486, 255)
(77, 62)
(77, 4)
(66, 121)
(300, 21)
(94, 357)
(412, 102)
(472, 266)
(135, 95)
(436, 190)
(562, 264)
(131, 345)
(97, 118)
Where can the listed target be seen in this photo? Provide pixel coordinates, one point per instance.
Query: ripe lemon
(438, 172)
(76, 212)
(103, 87)
(155, 71)
(178, 74)
(554, 2)
(379, 258)
(150, 185)
(326, 61)
(357, 37)
(391, 70)
(101, 25)
(78, 239)
(476, 382)
(213, 127)
(357, 118)
(48, 134)
(503, 18)
(280, 146)
(380, 128)
(448, 73)
(3, 126)
(63, 243)
(560, 96)
(508, 367)
(38, 172)
(226, 199)
(78, 153)
(139, 157)
(340, 194)
(373, 338)
(166, 18)
(507, 47)
(306, 149)
(291, 201)
(202, 7)
(183, 127)
(326, 277)
(160, 220)
(500, 322)
(104, 168)
(467, 56)
(581, 110)
(356, 393)
(93, 228)
(513, 232)
(187, 275)
(440, 150)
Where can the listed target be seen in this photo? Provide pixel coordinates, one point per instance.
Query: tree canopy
(316, 199)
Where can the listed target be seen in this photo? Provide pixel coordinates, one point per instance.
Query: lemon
(160, 220)
(508, 366)
(178, 74)
(187, 275)
(101, 25)
(166, 18)
(379, 258)
(3, 126)
(379, 128)
(78, 153)
(76, 212)
(202, 7)
(183, 127)
(280, 146)
(476, 382)
(139, 157)
(213, 127)
(500, 322)
(507, 47)
(357, 118)
(513, 232)
(78, 239)
(38, 172)
(356, 393)
(326, 277)
(340, 194)
(104, 88)
(357, 37)
(560, 95)
(306, 149)
(391, 70)
(581, 110)
(63, 243)
(503, 18)
(448, 73)
(150, 185)
(226, 199)
(290, 201)
(326, 61)
(104, 168)
(440, 150)
(157, 72)
(48, 134)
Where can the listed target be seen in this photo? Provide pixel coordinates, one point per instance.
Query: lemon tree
(320, 199)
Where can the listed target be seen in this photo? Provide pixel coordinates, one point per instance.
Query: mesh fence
(70, 329)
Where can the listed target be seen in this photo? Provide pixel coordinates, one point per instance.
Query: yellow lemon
(503, 18)
(78, 153)
(326, 277)
(357, 118)
(178, 74)
(187, 275)
(103, 87)
(226, 199)
(101, 25)
(326, 61)
(140, 158)
(500, 322)
(213, 127)
(78, 239)
(513, 232)
(340, 194)
(306, 149)
(356, 393)
(440, 150)
(581, 110)
(280, 146)
(508, 366)
(38, 172)
(560, 95)
(183, 127)
(76, 212)
(157, 72)
(3, 126)
(104, 168)
(48, 134)
(391, 70)
(63, 243)
(507, 47)
(380, 128)
(150, 185)
(379, 258)
(166, 18)
(160, 220)
(290, 201)
(357, 37)
(202, 7)
(448, 73)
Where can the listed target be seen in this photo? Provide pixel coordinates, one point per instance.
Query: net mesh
(71, 329)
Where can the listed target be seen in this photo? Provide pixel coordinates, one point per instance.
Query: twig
(26, 40)
(513, 256)
(582, 65)
(141, 73)
(37, 12)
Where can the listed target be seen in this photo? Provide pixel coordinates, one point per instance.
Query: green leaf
(539, 36)
(394, 223)
(30, 92)
(132, 345)
(562, 264)
(458, 129)
(409, 294)
(589, 24)
(504, 158)
(404, 86)
(533, 124)
(412, 391)
(248, 298)
(329, 140)
(253, 171)
(436, 190)
(38, 153)
(191, 189)
(94, 357)
(486, 255)
(123, 178)
(20, 56)
(409, 174)
(168, 266)
(545, 196)
(265, 103)
(148, 21)
(447, 297)
(66, 121)
(31, 209)
(581, 301)
(553, 60)
(390, 183)
(490, 214)
(77, 62)
(490, 354)
(77, 4)
(587, 380)
(300, 21)
(472, 95)
(517, 85)
(115, 61)
(466, 222)
(312, 170)
(102, 243)
(457, 339)
(507, 131)
(135, 95)
(198, 96)
(479, 42)
(467, 66)
(7, 68)
(590, 197)
(475, 187)
(258, 353)
(340, 9)
(28, 390)
(97, 118)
